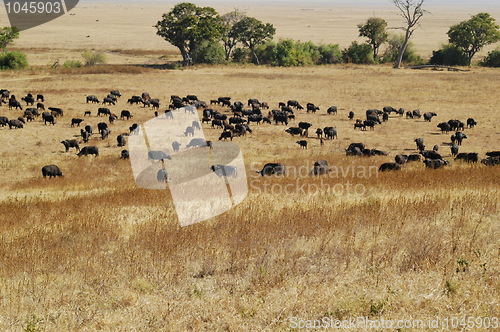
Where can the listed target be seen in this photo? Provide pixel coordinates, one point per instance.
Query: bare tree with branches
(411, 11)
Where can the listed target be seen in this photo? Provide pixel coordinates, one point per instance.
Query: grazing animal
(14, 104)
(330, 132)
(389, 167)
(470, 157)
(89, 113)
(302, 143)
(369, 123)
(416, 114)
(40, 97)
(40, 106)
(420, 143)
(385, 117)
(471, 123)
(435, 148)
(454, 150)
(409, 115)
(272, 169)
(125, 114)
(115, 93)
(428, 116)
(294, 131)
(430, 155)
(48, 118)
(491, 161)
(71, 143)
(56, 111)
(445, 127)
(217, 123)
(102, 126)
(355, 149)
(331, 110)
(320, 167)
(103, 111)
(456, 125)
(459, 137)
(351, 115)
(224, 170)
(105, 132)
(305, 127)
(176, 146)
(92, 99)
(51, 171)
(121, 140)
(401, 159)
(85, 135)
(76, 121)
(29, 100)
(294, 103)
(15, 124)
(225, 135)
(108, 101)
(319, 133)
(86, 150)
(362, 126)
(414, 157)
(493, 154)
(125, 154)
(435, 163)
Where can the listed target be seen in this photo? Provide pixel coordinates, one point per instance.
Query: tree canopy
(472, 35)
(7, 35)
(229, 38)
(375, 30)
(252, 32)
(187, 26)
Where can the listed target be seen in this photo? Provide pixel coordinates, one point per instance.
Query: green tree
(229, 38)
(472, 35)
(375, 30)
(252, 32)
(329, 53)
(492, 59)
(7, 35)
(448, 55)
(391, 53)
(411, 11)
(358, 53)
(187, 26)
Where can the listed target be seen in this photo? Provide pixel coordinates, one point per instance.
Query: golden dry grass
(91, 251)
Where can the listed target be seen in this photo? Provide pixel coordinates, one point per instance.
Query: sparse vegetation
(93, 58)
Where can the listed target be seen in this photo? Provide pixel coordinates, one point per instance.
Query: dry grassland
(92, 251)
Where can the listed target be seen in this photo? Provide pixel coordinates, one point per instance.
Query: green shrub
(492, 59)
(240, 55)
(266, 53)
(210, 53)
(449, 55)
(410, 55)
(13, 60)
(358, 53)
(93, 58)
(72, 64)
(329, 54)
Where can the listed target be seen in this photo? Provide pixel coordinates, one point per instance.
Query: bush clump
(93, 58)
(13, 60)
(449, 55)
(492, 59)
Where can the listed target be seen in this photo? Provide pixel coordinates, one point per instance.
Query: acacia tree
(229, 39)
(472, 35)
(7, 35)
(187, 26)
(411, 11)
(375, 30)
(252, 32)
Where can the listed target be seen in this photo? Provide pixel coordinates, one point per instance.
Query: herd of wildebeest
(234, 119)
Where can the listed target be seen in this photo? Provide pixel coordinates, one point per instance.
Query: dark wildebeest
(102, 126)
(374, 118)
(86, 150)
(76, 121)
(435, 163)
(293, 103)
(369, 123)
(409, 115)
(176, 146)
(40, 97)
(255, 118)
(105, 133)
(302, 143)
(48, 118)
(310, 107)
(444, 126)
(15, 123)
(416, 114)
(225, 135)
(4, 121)
(414, 157)
(362, 126)
(435, 148)
(103, 111)
(89, 113)
(351, 115)
(217, 123)
(320, 167)
(385, 117)
(112, 118)
(134, 100)
(125, 114)
(51, 171)
(108, 101)
(40, 106)
(125, 154)
(121, 140)
(219, 116)
(355, 149)
(242, 129)
(456, 125)
(430, 155)
(294, 131)
(134, 129)
(401, 159)
(88, 129)
(14, 104)
(85, 135)
(331, 110)
(491, 161)
(115, 93)
(330, 132)
(470, 157)
(235, 119)
(319, 133)
(92, 99)
(224, 170)
(459, 137)
(389, 109)
(389, 167)
(56, 111)
(420, 143)
(454, 150)
(305, 127)
(471, 123)
(158, 155)
(29, 100)
(493, 154)
(189, 131)
(71, 143)
(280, 117)
(428, 116)
(272, 169)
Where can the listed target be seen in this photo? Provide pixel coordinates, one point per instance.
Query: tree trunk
(255, 57)
(186, 57)
(402, 50)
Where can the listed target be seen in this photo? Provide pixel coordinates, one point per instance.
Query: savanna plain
(92, 251)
